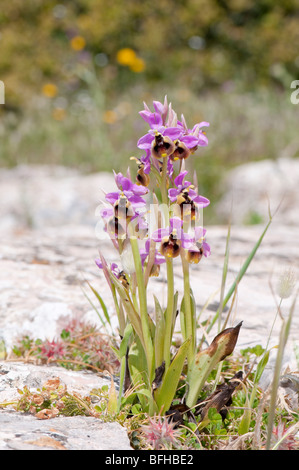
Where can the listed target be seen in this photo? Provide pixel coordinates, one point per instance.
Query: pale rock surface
(23, 431)
(250, 188)
(41, 196)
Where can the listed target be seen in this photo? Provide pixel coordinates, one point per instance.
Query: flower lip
(173, 233)
(162, 146)
(174, 193)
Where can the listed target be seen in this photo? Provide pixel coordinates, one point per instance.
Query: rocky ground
(48, 246)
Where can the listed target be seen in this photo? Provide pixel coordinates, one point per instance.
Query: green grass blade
(224, 276)
(102, 303)
(240, 274)
(95, 308)
(159, 333)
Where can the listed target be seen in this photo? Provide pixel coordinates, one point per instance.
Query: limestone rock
(251, 187)
(23, 431)
(39, 196)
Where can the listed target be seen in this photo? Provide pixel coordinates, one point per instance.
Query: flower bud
(123, 279)
(142, 178)
(155, 270)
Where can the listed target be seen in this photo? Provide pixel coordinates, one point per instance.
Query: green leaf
(138, 370)
(261, 366)
(183, 316)
(204, 362)
(165, 393)
(214, 416)
(95, 308)
(159, 333)
(125, 341)
(246, 418)
(112, 400)
(102, 303)
(132, 314)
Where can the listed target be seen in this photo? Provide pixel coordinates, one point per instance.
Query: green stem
(189, 321)
(169, 268)
(119, 311)
(149, 350)
(284, 333)
(169, 311)
(275, 384)
(164, 182)
(121, 381)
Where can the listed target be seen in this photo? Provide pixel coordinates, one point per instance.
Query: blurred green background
(76, 74)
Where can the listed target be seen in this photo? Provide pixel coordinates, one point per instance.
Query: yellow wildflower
(126, 56)
(138, 65)
(110, 116)
(59, 114)
(49, 90)
(78, 43)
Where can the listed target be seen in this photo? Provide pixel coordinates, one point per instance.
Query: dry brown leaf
(47, 413)
(46, 441)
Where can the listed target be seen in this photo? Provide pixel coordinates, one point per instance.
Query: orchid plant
(152, 220)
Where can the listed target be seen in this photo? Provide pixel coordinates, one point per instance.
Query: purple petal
(201, 201)
(162, 109)
(178, 181)
(159, 234)
(192, 193)
(206, 249)
(138, 189)
(169, 168)
(173, 194)
(112, 197)
(153, 119)
(115, 269)
(136, 200)
(202, 124)
(145, 141)
(159, 259)
(146, 160)
(158, 107)
(172, 132)
(202, 140)
(189, 140)
(187, 241)
(106, 212)
(98, 263)
(199, 232)
(122, 182)
(176, 223)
